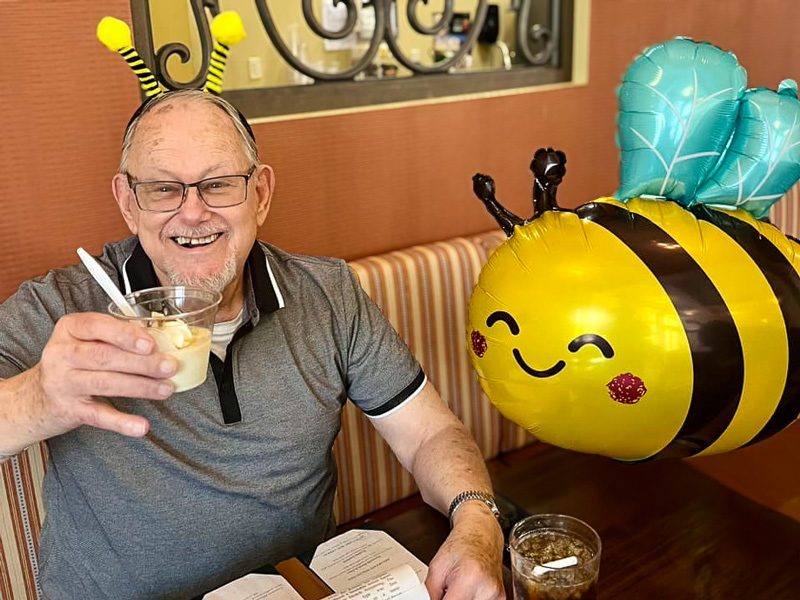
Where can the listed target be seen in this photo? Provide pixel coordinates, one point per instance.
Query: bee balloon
(665, 323)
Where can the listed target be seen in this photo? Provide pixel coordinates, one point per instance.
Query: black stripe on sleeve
(399, 398)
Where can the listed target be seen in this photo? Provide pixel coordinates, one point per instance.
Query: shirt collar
(138, 274)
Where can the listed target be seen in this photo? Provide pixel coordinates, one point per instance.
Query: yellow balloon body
(641, 330)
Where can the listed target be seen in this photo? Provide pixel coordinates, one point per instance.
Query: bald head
(143, 126)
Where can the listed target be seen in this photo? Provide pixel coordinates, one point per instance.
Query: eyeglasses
(169, 196)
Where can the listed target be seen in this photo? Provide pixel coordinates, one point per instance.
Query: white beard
(216, 282)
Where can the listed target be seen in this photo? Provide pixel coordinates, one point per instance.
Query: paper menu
(398, 584)
(360, 556)
(357, 565)
(255, 587)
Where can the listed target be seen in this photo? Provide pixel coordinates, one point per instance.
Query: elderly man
(151, 495)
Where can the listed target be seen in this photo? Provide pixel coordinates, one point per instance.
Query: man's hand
(468, 566)
(88, 355)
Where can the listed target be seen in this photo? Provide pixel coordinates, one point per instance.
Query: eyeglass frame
(132, 183)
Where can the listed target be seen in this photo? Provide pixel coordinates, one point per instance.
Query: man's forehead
(189, 114)
(206, 127)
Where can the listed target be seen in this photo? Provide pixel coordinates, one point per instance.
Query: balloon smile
(554, 370)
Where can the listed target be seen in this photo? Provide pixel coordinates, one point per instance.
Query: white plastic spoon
(105, 282)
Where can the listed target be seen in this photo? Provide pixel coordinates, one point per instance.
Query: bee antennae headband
(116, 36)
(227, 29)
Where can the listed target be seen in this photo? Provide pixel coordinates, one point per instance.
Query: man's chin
(215, 281)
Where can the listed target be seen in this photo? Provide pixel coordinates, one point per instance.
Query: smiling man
(155, 495)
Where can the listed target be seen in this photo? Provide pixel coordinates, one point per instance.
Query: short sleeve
(27, 320)
(382, 374)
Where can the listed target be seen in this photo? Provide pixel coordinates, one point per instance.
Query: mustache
(197, 232)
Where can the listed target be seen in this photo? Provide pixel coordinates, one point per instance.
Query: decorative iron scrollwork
(319, 29)
(541, 36)
(444, 65)
(298, 65)
(181, 51)
(545, 37)
(413, 20)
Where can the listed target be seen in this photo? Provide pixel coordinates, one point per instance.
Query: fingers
(103, 416)
(90, 355)
(465, 569)
(464, 584)
(466, 588)
(434, 582)
(105, 328)
(115, 385)
(100, 356)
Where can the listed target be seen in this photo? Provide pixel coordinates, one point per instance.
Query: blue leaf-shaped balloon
(678, 104)
(763, 160)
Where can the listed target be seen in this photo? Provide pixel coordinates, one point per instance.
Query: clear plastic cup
(180, 319)
(554, 557)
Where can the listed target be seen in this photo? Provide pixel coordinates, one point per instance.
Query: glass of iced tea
(554, 557)
(180, 319)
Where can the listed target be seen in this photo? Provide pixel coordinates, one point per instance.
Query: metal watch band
(487, 499)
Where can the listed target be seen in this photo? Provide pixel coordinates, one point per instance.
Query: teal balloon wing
(763, 160)
(677, 107)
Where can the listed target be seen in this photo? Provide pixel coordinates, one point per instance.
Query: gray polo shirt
(234, 474)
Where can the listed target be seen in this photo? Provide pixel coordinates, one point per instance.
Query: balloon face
(558, 353)
(639, 330)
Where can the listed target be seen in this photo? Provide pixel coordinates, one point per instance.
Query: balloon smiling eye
(592, 338)
(479, 342)
(501, 315)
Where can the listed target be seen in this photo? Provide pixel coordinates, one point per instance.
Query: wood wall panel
(348, 185)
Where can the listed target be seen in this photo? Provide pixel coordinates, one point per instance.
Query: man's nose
(193, 209)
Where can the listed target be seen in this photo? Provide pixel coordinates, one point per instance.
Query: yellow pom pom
(227, 28)
(115, 34)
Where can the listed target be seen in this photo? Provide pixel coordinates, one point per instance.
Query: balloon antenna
(483, 186)
(548, 167)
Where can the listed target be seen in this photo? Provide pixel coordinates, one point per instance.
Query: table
(668, 531)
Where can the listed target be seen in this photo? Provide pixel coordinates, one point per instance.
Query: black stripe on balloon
(717, 360)
(785, 284)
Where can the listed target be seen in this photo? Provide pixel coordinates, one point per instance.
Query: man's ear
(123, 194)
(264, 182)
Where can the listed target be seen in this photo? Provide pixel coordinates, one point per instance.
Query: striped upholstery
(21, 517)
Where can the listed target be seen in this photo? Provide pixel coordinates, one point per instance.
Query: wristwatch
(487, 499)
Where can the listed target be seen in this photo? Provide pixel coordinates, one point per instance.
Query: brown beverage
(540, 540)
